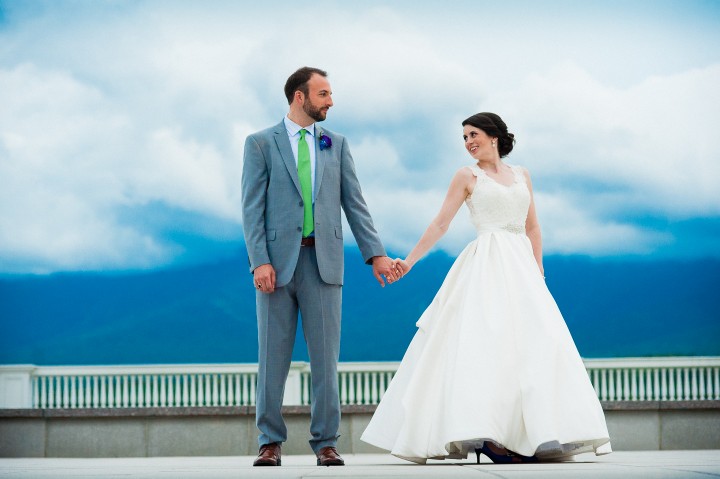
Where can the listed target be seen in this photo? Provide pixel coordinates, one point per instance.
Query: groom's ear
(299, 97)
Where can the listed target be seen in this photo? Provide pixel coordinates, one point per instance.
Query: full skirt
(492, 360)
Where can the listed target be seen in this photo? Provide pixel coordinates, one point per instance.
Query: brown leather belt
(309, 241)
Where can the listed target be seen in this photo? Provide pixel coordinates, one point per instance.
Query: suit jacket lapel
(283, 144)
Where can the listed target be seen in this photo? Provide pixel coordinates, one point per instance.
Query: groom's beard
(317, 114)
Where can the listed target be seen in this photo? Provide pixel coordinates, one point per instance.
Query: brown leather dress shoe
(269, 455)
(328, 456)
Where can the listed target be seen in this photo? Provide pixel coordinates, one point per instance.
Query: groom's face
(319, 98)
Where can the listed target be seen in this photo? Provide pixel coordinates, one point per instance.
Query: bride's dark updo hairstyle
(493, 125)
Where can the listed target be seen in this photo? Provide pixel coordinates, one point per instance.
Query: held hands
(404, 265)
(393, 270)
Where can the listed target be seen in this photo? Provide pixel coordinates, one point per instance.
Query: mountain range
(205, 313)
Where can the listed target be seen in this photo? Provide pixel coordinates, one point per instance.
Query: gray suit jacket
(273, 205)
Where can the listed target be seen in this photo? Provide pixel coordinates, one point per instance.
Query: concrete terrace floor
(623, 464)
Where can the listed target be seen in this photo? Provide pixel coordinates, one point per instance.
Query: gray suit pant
(320, 307)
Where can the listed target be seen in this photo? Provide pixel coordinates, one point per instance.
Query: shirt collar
(293, 128)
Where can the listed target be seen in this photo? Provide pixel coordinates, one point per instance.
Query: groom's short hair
(298, 81)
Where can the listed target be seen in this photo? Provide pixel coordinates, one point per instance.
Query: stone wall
(230, 431)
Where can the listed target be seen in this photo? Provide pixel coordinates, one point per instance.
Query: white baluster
(650, 386)
(702, 394)
(66, 392)
(253, 386)
(141, 391)
(671, 384)
(245, 383)
(125, 390)
(103, 391)
(57, 400)
(223, 392)
(185, 390)
(240, 394)
(200, 391)
(72, 382)
(51, 392)
(149, 391)
(155, 391)
(95, 391)
(80, 391)
(44, 386)
(611, 385)
(362, 388)
(171, 390)
(626, 385)
(230, 395)
(693, 384)
(374, 389)
(118, 391)
(208, 390)
(716, 382)
(113, 387)
(178, 389)
(382, 386)
(351, 389)
(193, 391)
(163, 379)
(306, 388)
(641, 384)
(215, 391)
(604, 384)
(343, 389)
(88, 391)
(36, 393)
(133, 390)
(633, 385)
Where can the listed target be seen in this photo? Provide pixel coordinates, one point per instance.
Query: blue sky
(122, 122)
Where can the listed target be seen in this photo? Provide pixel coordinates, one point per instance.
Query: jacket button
(299, 228)
(301, 203)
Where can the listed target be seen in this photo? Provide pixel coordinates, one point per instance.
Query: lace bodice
(494, 206)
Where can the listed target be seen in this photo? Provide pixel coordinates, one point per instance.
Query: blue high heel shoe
(509, 458)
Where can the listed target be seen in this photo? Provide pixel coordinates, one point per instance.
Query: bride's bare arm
(460, 187)
(532, 227)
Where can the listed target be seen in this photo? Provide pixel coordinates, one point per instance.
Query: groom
(296, 176)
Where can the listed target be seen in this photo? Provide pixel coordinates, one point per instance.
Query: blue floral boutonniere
(325, 142)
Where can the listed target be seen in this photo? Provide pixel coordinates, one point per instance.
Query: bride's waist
(517, 229)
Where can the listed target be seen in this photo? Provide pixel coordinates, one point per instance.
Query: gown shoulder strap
(475, 170)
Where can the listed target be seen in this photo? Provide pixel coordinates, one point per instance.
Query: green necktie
(305, 183)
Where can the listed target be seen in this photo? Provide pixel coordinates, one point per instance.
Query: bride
(492, 368)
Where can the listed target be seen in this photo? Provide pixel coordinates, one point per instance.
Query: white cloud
(656, 139)
(110, 108)
(570, 227)
(186, 174)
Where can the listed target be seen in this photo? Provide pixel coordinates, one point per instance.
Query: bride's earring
(493, 143)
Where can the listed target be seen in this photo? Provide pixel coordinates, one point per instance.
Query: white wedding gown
(492, 358)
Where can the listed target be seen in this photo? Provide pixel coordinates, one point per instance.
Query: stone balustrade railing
(53, 387)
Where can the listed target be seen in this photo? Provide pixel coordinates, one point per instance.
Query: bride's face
(478, 143)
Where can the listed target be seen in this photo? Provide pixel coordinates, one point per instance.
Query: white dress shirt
(293, 131)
